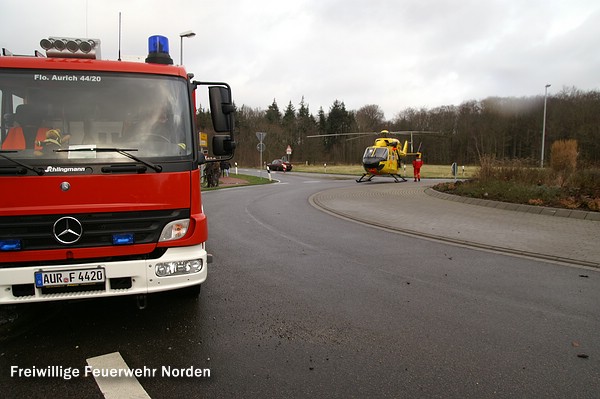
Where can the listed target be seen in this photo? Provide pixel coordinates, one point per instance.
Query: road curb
(540, 210)
(317, 201)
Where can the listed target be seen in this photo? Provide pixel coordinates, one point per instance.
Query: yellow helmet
(53, 136)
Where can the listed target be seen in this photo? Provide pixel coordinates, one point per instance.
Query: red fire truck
(99, 173)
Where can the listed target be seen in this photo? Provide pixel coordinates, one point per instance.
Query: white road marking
(116, 387)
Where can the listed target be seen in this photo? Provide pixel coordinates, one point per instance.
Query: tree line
(505, 128)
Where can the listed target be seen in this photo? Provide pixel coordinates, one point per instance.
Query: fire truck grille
(40, 232)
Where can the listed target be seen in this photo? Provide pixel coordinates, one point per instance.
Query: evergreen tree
(306, 124)
(203, 119)
(289, 116)
(273, 114)
(338, 121)
(303, 111)
(322, 123)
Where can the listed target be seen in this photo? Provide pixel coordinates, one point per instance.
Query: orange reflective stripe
(15, 139)
(41, 136)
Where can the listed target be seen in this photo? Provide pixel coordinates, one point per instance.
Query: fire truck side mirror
(222, 145)
(221, 108)
(222, 113)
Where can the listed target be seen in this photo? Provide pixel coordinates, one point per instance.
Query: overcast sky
(396, 54)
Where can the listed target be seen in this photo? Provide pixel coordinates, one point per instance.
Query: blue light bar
(158, 44)
(10, 245)
(158, 50)
(122, 239)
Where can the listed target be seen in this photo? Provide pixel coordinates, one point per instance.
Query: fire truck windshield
(52, 114)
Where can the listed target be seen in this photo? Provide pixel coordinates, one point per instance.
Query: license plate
(69, 277)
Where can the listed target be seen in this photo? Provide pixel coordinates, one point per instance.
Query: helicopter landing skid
(398, 176)
(362, 178)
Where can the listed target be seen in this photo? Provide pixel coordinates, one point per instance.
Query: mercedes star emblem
(67, 230)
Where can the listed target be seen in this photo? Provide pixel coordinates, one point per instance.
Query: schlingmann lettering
(60, 169)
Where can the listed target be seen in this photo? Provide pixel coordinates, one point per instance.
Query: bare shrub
(563, 159)
(563, 155)
(587, 180)
(487, 170)
(513, 170)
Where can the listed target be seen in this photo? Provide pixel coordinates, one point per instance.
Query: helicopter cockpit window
(376, 152)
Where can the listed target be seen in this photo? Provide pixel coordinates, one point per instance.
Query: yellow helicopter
(383, 158)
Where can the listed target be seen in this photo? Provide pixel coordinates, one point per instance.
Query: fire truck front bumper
(178, 267)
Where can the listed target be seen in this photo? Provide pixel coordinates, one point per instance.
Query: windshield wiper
(31, 168)
(122, 151)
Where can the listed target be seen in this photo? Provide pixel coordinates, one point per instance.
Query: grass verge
(240, 181)
(427, 171)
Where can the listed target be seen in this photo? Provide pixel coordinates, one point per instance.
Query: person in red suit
(417, 163)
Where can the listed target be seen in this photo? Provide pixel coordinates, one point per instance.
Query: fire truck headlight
(165, 269)
(174, 230)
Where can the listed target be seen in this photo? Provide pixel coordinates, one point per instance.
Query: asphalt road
(300, 303)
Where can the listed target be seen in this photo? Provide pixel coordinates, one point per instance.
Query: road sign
(260, 136)
(288, 150)
(203, 140)
(261, 147)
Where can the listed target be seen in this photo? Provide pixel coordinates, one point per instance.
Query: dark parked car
(278, 164)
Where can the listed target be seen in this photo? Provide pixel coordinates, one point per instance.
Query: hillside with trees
(504, 128)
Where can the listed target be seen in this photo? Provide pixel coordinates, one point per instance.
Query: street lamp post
(188, 33)
(544, 126)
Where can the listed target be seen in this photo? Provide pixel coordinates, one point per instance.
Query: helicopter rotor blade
(409, 132)
(382, 133)
(341, 134)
